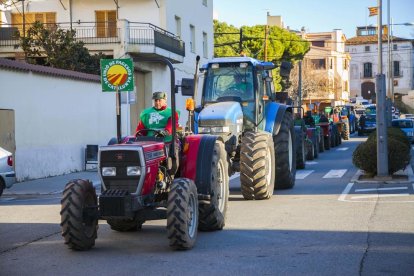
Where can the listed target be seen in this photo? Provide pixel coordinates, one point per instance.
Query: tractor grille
(121, 159)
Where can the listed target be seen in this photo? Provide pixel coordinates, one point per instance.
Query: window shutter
(100, 23)
(111, 23)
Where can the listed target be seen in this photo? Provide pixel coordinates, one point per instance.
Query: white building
(327, 55)
(363, 50)
(178, 30)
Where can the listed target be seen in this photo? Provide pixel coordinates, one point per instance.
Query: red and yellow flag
(373, 11)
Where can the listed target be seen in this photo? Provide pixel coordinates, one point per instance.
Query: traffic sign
(117, 75)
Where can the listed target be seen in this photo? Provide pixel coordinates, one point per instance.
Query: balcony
(118, 39)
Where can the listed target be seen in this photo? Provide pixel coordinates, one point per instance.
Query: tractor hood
(221, 114)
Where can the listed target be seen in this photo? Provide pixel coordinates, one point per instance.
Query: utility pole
(382, 141)
(300, 85)
(241, 42)
(265, 46)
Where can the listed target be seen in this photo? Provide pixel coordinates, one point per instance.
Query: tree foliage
(58, 48)
(282, 45)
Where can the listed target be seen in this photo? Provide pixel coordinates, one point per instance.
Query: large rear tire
(257, 166)
(213, 215)
(285, 155)
(78, 229)
(182, 214)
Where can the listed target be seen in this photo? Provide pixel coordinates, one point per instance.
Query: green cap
(159, 96)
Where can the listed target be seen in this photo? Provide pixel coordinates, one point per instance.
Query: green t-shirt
(156, 119)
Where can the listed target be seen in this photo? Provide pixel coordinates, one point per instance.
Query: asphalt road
(325, 225)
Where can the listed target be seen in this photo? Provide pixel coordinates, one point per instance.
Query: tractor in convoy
(238, 104)
(144, 178)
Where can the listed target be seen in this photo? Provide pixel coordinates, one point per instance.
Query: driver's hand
(163, 133)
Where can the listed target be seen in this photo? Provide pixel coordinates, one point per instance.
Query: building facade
(327, 56)
(398, 67)
(177, 30)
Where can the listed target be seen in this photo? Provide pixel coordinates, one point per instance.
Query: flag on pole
(373, 11)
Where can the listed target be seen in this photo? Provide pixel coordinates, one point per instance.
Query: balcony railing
(103, 33)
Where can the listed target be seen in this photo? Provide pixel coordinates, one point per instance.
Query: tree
(58, 48)
(315, 83)
(282, 45)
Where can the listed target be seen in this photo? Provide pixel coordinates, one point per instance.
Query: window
(192, 39)
(105, 23)
(345, 64)
(368, 70)
(331, 63)
(178, 26)
(318, 63)
(205, 45)
(396, 69)
(367, 48)
(204, 3)
(395, 47)
(346, 88)
(47, 18)
(320, 43)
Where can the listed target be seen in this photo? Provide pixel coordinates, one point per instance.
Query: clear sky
(316, 15)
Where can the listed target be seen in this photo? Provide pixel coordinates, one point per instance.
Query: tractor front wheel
(257, 166)
(182, 214)
(79, 220)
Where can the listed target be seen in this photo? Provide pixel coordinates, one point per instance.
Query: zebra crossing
(302, 174)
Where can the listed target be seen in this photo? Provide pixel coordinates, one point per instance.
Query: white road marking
(311, 163)
(303, 173)
(335, 174)
(234, 176)
(346, 191)
(375, 196)
(380, 189)
(342, 149)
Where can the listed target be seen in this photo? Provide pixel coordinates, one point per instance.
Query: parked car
(407, 126)
(370, 124)
(7, 175)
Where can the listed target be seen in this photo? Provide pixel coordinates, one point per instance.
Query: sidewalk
(51, 185)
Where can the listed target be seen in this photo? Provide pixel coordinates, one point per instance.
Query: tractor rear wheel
(257, 166)
(285, 155)
(182, 214)
(213, 215)
(78, 229)
(321, 142)
(300, 148)
(125, 225)
(327, 142)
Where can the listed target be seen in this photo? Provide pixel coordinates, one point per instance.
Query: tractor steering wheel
(158, 133)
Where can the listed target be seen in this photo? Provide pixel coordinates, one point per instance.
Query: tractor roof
(257, 63)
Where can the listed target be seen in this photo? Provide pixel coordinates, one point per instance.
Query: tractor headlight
(203, 130)
(133, 171)
(220, 129)
(108, 171)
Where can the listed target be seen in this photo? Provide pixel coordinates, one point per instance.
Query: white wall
(54, 119)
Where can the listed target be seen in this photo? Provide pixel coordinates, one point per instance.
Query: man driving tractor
(156, 120)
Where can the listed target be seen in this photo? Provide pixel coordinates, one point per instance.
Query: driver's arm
(140, 126)
(168, 127)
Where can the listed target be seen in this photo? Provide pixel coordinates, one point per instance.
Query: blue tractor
(238, 104)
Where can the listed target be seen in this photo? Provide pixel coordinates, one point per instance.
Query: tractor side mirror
(285, 68)
(187, 87)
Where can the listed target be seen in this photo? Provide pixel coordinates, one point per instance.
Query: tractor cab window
(226, 82)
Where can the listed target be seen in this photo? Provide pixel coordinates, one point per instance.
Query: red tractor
(144, 178)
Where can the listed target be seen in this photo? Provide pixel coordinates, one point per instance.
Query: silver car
(7, 174)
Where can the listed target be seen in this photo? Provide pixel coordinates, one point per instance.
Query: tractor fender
(197, 152)
(274, 116)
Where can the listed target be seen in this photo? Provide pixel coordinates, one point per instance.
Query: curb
(407, 172)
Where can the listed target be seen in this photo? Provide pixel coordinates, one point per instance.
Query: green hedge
(365, 155)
